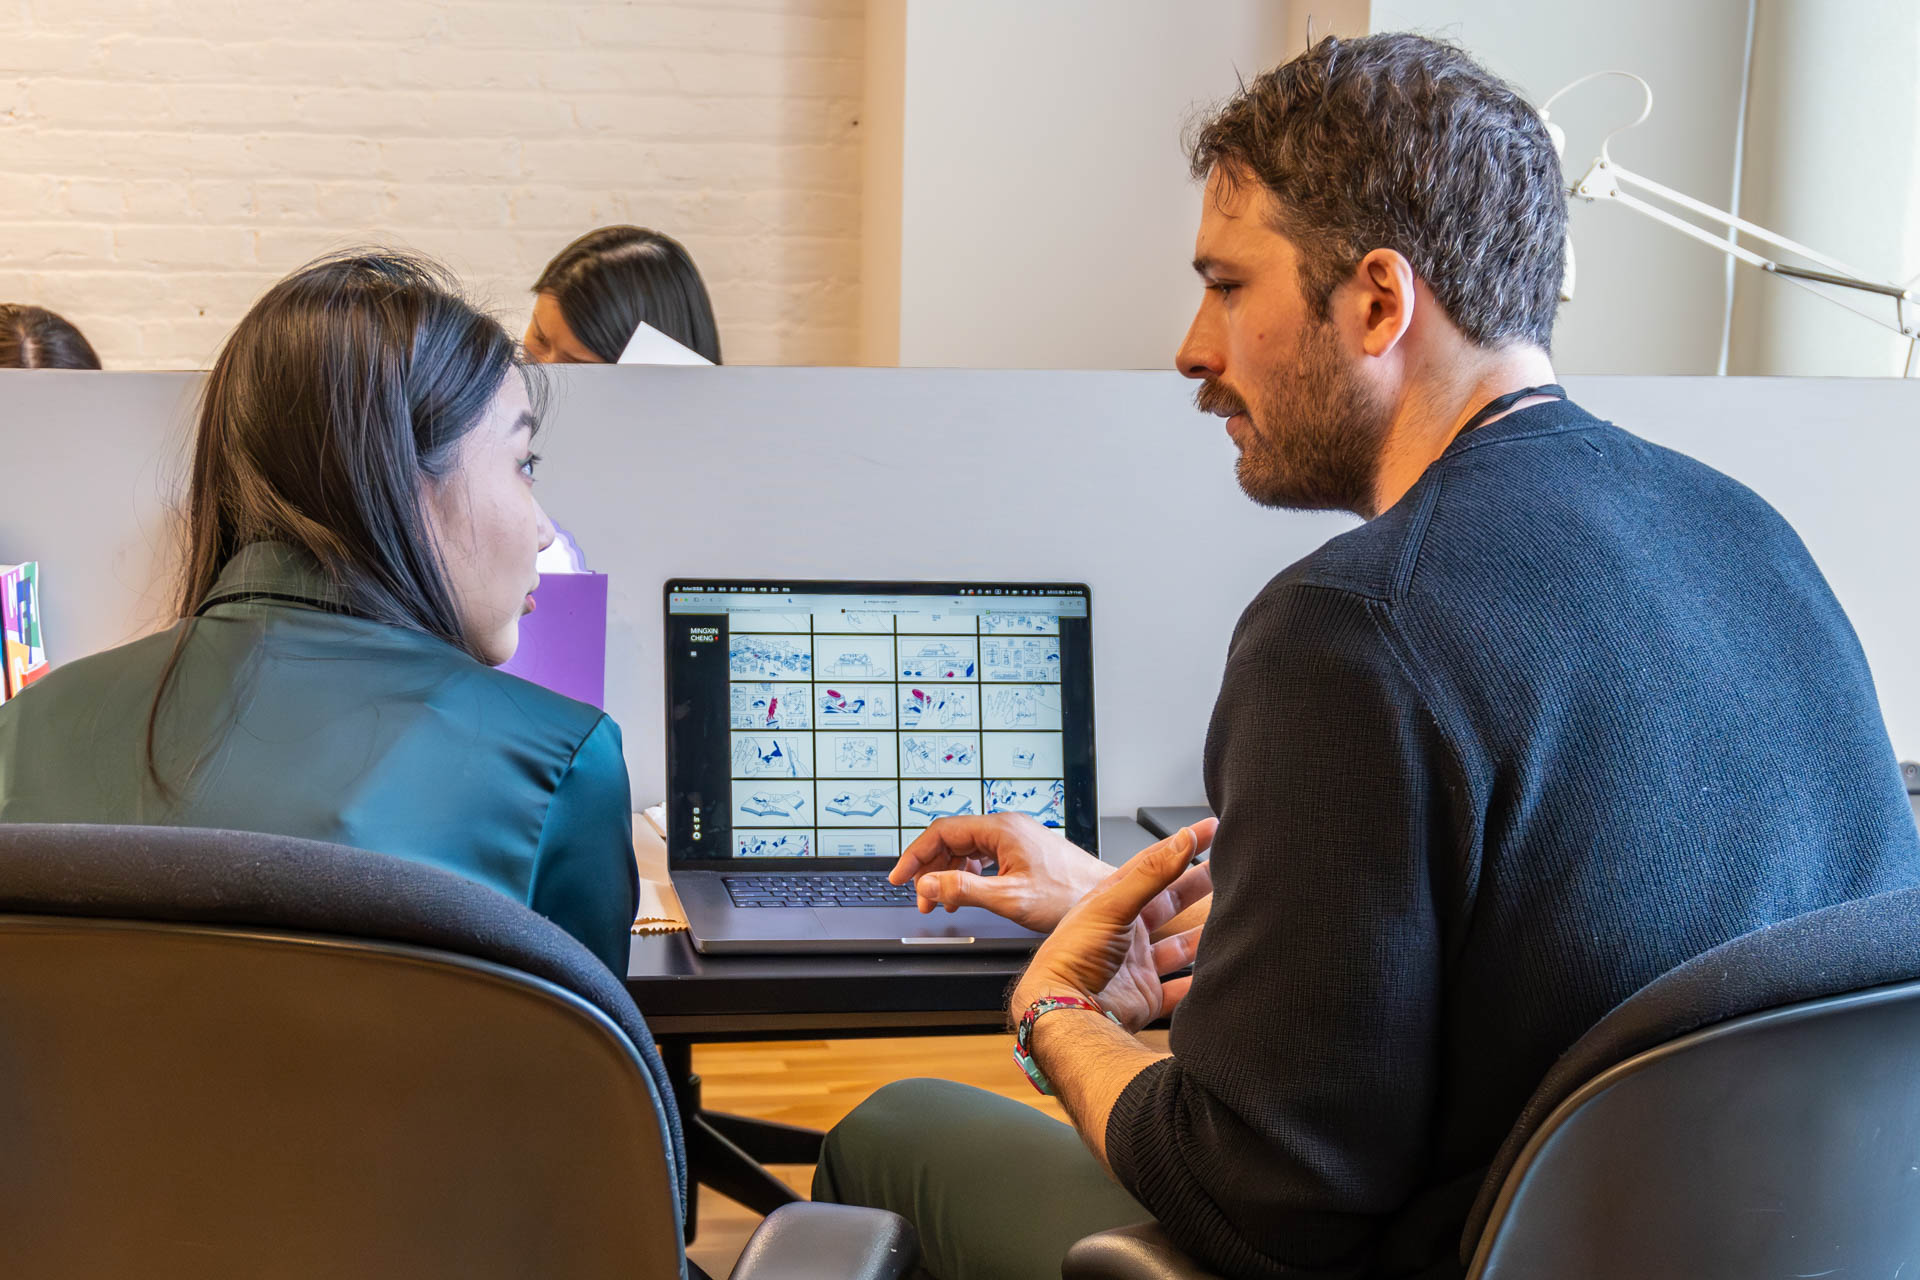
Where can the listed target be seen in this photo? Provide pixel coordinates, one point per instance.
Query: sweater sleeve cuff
(1139, 1138)
(1145, 1152)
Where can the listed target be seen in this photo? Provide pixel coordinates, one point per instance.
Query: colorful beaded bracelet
(1023, 1033)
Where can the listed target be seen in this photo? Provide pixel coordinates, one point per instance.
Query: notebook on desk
(815, 728)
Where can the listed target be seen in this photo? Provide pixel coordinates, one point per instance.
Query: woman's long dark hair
(348, 384)
(609, 280)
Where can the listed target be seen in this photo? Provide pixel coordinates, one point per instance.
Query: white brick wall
(162, 161)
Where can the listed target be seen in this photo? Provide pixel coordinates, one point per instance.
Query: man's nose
(1199, 356)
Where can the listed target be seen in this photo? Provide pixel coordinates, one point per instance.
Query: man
(1568, 710)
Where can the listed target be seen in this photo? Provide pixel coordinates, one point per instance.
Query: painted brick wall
(162, 161)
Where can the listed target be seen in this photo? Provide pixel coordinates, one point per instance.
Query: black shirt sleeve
(1293, 1115)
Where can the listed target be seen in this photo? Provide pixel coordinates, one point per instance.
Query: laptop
(815, 728)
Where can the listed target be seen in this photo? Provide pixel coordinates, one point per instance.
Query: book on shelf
(23, 654)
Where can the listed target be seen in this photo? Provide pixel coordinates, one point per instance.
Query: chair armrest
(829, 1242)
(1130, 1253)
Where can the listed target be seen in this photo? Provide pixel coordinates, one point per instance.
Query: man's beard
(1316, 432)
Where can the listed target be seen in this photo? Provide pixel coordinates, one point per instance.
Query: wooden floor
(815, 1083)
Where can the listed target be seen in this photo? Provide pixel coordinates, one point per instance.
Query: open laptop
(815, 728)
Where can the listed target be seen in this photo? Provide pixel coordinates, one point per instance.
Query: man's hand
(1041, 873)
(1102, 948)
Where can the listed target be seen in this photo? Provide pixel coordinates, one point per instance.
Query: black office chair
(240, 1055)
(1756, 1111)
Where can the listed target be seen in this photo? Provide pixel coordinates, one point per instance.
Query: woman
(361, 539)
(36, 338)
(595, 293)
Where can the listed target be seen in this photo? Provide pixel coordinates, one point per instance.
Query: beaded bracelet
(1023, 1033)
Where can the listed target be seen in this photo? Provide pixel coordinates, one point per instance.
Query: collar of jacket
(274, 571)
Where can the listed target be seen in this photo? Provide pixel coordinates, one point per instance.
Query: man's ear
(1383, 296)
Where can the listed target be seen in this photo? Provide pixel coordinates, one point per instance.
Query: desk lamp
(1607, 179)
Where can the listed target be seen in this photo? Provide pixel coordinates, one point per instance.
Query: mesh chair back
(237, 1055)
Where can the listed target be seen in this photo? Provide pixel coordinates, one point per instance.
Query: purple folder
(563, 642)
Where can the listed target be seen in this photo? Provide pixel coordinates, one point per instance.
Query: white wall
(1833, 161)
(1046, 216)
(1647, 299)
(162, 161)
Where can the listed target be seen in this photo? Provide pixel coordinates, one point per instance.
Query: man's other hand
(1102, 949)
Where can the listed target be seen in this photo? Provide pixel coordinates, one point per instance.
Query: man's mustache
(1213, 397)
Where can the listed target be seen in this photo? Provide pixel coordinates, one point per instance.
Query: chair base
(730, 1153)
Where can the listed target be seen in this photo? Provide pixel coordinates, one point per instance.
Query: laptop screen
(832, 721)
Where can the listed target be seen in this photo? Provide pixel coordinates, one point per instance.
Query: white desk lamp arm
(1608, 180)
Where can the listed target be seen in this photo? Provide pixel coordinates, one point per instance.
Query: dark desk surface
(683, 993)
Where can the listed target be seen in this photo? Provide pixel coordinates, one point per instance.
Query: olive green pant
(997, 1190)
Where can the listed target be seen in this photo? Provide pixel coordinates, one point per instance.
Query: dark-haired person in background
(597, 290)
(1568, 710)
(36, 338)
(362, 531)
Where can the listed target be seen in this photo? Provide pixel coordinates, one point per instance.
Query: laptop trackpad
(906, 925)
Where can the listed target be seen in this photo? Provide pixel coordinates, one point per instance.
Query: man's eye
(1222, 288)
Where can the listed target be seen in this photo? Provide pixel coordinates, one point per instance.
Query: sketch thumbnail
(944, 659)
(783, 755)
(939, 622)
(859, 804)
(1028, 658)
(1028, 755)
(771, 806)
(774, 804)
(770, 706)
(1027, 706)
(773, 844)
(865, 621)
(769, 657)
(859, 844)
(949, 801)
(771, 620)
(940, 755)
(853, 706)
(1044, 801)
(858, 755)
(854, 657)
(1019, 624)
(937, 706)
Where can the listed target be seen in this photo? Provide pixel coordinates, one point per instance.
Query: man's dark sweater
(1575, 710)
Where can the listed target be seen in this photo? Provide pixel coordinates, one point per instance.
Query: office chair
(1755, 1111)
(225, 1054)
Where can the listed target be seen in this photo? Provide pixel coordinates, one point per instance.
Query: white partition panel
(1108, 478)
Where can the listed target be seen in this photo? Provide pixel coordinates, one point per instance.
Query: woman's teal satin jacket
(287, 716)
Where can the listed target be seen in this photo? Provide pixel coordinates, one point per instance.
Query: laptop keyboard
(853, 889)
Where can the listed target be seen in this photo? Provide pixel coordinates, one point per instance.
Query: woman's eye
(1223, 289)
(528, 463)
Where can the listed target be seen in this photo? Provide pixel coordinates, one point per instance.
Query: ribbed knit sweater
(1576, 709)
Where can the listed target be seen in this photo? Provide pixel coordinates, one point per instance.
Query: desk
(688, 998)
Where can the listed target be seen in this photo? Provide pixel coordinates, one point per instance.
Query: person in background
(36, 338)
(361, 535)
(597, 290)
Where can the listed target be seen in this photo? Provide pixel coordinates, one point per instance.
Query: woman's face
(489, 526)
(549, 340)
